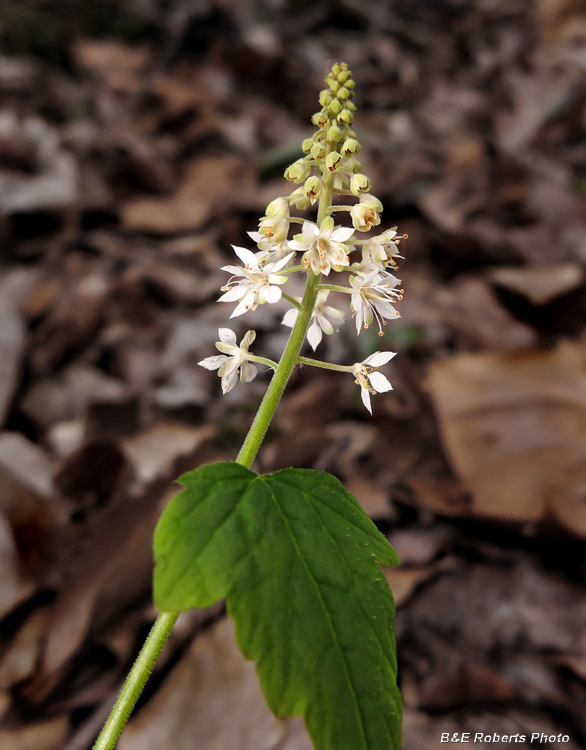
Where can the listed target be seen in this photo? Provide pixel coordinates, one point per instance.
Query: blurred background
(138, 140)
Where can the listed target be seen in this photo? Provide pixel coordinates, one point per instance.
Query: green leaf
(298, 560)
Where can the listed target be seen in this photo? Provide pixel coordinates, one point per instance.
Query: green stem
(292, 300)
(135, 681)
(262, 361)
(334, 288)
(324, 365)
(161, 630)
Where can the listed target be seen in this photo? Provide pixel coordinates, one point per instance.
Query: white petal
(290, 317)
(309, 229)
(247, 372)
(366, 398)
(272, 294)
(274, 278)
(314, 335)
(229, 381)
(246, 256)
(324, 324)
(386, 310)
(333, 312)
(256, 236)
(233, 294)
(378, 359)
(378, 381)
(282, 263)
(231, 365)
(340, 234)
(227, 336)
(295, 245)
(247, 340)
(213, 363)
(240, 309)
(229, 349)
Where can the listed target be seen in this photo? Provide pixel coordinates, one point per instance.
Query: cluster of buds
(330, 167)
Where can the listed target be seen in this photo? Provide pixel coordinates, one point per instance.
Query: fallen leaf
(212, 700)
(511, 424)
(207, 184)
(15, 584)
(40, 735)
(539, 284)
(19, 659)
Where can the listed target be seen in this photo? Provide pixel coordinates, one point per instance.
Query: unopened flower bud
(351, 146)
(343, 76)
(325, 97)
(371, 201)
(359, 183)
(306, 145)
(318, 151)
(353, 165)
(335, 107)
(336, 69)
(278, 207)
(334, 85)
(364, 217)
(334, 133)
(298, 172)
(330, 79)
(333, 160)
(349, 84)
(299, 198)
(312, 188)
(350, 106)
(345, 116)
(343, 93)
(320, 119)
(340, 182)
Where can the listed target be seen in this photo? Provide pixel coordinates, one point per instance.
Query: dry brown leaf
(512, 424)
(154, 452)
(539, 284)
(12, 333)
(41, 735)
(211, 701)
(472, 309)
(296, 736)
(15, 584)
(20, 657)
(373, 497)
(208, 183)
(113, 64)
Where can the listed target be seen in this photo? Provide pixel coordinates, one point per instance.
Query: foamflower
(233, 360)
(319, 323)
(259, 283)
(323, 246)
(368, 379)
(371, 298)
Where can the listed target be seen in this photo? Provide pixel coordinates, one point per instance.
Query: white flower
(364, 216)
(270, 251)
(369, 380)
(258, 284)
(319, 322)
(275, 228)
(370, 298)
(323, 246)
(382, 249)
(234, 358)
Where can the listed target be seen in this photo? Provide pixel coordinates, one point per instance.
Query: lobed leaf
(299, 562)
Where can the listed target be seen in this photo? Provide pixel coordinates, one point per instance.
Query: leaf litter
(125, 175)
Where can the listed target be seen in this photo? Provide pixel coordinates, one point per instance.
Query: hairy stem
(324, 365)
(135, 681)
(161, 630)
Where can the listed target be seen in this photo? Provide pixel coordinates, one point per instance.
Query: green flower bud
(334, 85)
(278, 207)
(350, 106)
(359, 183)
(371, 201)
(318, 151)
(334, 133)
(333, 160)
(336, 69)
(344, 75)
(351, 146)
(353, 165)
(345, 117)
(349, 84)
(312, 188)
(325, 97)
(321, 120)
(298, 172)
(343, 93)
(299, 198)
(330, 79)
(350, 133)
(335, 107)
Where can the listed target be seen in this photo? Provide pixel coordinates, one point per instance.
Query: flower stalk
(325, 248)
